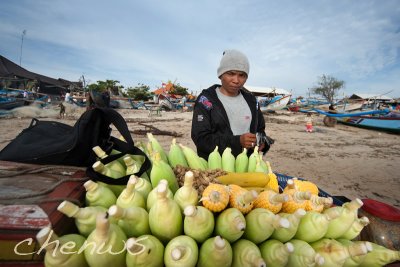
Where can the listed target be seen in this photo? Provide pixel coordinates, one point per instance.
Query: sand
(343, 161)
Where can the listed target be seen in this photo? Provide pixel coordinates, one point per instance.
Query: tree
(139, 92)
(179, 90)
(328, 87)
(108, 85)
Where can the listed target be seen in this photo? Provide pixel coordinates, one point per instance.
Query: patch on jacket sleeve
(205, 102)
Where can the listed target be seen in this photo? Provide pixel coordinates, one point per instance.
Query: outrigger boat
(384, 119)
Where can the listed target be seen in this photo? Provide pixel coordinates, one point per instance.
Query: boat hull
(390, 124)
(277, 104)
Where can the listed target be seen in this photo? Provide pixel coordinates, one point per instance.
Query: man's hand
(248, 140)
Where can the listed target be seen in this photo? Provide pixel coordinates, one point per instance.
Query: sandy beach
(342, 161)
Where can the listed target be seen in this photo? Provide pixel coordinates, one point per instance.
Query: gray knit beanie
(233, 60)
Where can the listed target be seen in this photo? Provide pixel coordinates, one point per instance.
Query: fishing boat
(389, 122)
(384, 120)
(7, 103)
(278, 102)
(270, 98)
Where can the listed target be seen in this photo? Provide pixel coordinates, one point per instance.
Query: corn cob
(241, 199)
(270, 200)
(296, 198)
(228, 160)
(254, 179)
(192, 158)
(215, 197)
(214, 160)
(303, 185)
(176, 156)
(242, 162)
(317, 203)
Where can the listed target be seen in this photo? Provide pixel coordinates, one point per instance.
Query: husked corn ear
(303, 185)
(192, 158)
(318, 204)
(241, 199)
(297, 200)
(270, 200)
(242, 162)
(228, 160)
(273, 182)
(253, 160)
(214, 160)
(215, 197)
(247, 179)
(176, 156)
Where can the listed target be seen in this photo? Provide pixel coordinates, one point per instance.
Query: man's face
(232, 81)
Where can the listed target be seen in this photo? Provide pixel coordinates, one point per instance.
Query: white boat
(270, 98)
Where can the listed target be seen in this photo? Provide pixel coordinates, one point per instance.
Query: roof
(267, 91)
(10, 69)
(371, 96)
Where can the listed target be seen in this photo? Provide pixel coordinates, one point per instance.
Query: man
(228, 115)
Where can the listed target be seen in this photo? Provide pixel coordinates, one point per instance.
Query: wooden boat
(29, 196)
(276, 103)
(385, 119)
(382, 122)
(7, 103)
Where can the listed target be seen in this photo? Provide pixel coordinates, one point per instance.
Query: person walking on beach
(228, 115)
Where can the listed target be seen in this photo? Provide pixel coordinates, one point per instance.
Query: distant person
(309, 123)
(228, 115)
(25, 94)
(62, 110)
(67, 97)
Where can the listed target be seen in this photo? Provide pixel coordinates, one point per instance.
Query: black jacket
(210, 123)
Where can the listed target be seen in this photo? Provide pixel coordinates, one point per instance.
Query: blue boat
(7, 103)
(384, 120)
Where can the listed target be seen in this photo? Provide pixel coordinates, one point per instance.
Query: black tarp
(9, 71)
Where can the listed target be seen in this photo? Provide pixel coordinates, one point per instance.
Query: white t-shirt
(238, 111)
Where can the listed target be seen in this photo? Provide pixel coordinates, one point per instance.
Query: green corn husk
(130, 197)
(134, 221)
(253, 160)
(228, 160)
(156, 147)
(106, 245)
(176, 156)
(276, 253)
(246, 254)
(214, 160)
(144, 251)
(380, 256)
(304, 255)
(66, 254)
(198, 223)
(242, 162)
(215, 252)
(261, 223)
(230, 224)
(165, 216)
(181, 251)
(162, 170)
(192, 158)
(336, 254)
(286, 234)
(85, 217)
(187, 194)
(98, 195)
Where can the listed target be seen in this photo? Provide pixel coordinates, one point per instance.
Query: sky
(289, 43)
